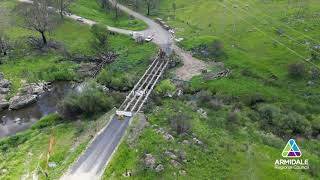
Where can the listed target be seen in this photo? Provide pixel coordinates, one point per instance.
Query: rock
(310, 83)
(202, 113)
(185, 142)
(4, 83)
(197, 141)
(18, 102)
(34, 88)
(4, 90)
(4, 105)
(159, 168)
(182, 172)
(175, 163)
(170, 154)
(149, 161)
(168, 137)
(182, 155)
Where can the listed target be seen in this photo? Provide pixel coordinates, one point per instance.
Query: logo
(291, 149)
(293, 155)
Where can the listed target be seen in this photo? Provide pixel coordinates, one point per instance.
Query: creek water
(15, 121)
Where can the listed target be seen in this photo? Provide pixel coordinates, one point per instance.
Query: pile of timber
(101, 60)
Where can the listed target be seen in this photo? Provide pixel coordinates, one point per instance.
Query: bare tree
(116, 9)
(150, 4)
(62, 6)
(36, 17)
(174, 8)
(4, 45)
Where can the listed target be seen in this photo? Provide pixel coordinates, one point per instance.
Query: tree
(150, 4)
(174, 8)
(36, 17)
(100, 34)
(116, 9)
(4, 45)
(62, 6)
(181, 123)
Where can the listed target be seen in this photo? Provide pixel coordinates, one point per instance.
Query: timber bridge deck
(141, 91)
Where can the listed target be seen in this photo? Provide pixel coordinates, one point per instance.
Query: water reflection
(12, 122)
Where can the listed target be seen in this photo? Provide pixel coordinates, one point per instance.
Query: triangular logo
(291, 149)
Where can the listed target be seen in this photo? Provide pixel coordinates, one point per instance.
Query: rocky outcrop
(27, 95)
(149, 161)
(18, 102)
(4, 90)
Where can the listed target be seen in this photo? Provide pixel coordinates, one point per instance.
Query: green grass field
(93, 11)
(258, 57)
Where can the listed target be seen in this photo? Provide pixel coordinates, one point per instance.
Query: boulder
(175, 163)
(4, 105)
(159, 168)
(182, 172)
(4, 90)
(4, 83)
(168, 137)
(149, 161)
(18, 102)
(34, 88)
(170, 154)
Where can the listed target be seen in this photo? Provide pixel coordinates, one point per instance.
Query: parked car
(149, 39)
(80, 19)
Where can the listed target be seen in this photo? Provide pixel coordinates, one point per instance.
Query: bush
(297, 70)
(100, 33)
(180, 123)
(254, 99)
(165, 87)
(116, 81)
(89, 101)
(284, 122)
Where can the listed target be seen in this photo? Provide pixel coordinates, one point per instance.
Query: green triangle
(288, 147)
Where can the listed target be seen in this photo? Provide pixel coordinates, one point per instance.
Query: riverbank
(21, 153)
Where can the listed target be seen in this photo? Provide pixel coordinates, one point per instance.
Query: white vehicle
(149, 38)
(80, 19)
(172, 31)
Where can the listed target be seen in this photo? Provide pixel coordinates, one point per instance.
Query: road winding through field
(91, 164)
(164, 39)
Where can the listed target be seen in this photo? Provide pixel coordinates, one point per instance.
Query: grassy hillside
(253, 112)
(93, 11)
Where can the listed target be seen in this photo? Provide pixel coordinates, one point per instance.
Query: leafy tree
(89, 101)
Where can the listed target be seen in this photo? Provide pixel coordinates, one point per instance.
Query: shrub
(89, 101)
(254, 99)
(269, 113)
(181, 123)
(116, 81)
(216, 49)
(297, 70)
(165, 87)
(315, 74)
(100, 33)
